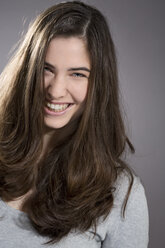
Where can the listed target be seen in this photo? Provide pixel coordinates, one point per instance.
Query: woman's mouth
(57, 108)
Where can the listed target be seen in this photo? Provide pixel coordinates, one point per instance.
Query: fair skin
(66, 76)
(67, 70)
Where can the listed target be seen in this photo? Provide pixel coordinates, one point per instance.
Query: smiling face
(66, 76)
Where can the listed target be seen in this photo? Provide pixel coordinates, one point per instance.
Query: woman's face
(66, 76)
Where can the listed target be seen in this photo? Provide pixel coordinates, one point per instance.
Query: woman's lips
(57, 109)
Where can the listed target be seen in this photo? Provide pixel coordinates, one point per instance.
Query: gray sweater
(114, 232)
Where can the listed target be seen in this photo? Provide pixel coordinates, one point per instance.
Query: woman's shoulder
(122, 184)
(128, 201)
(127, 227)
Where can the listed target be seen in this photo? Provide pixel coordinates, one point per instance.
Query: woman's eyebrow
(79, 69)
(70, 69)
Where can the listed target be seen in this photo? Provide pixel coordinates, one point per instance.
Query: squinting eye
(78, 75)
(46, 68)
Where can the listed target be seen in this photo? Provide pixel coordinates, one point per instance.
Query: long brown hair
(72, 184)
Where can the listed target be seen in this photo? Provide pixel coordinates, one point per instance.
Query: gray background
(138, 31)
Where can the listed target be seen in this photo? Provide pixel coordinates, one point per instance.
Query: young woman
(63, 179)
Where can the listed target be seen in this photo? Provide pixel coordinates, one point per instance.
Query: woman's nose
(57, 88)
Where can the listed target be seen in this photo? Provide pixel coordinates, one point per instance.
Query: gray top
(114, 232)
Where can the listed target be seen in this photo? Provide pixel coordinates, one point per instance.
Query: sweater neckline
(10, 209)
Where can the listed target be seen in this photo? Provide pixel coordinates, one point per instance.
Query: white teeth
(57, 107)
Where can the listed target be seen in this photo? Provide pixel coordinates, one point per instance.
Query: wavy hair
(72, 184)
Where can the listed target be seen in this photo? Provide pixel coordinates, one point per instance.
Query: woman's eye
(46, 68)
(76, 74)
